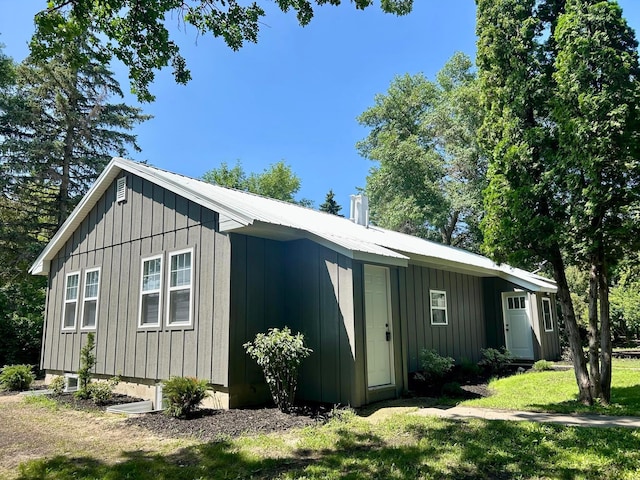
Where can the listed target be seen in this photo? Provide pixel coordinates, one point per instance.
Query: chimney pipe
(359, 213)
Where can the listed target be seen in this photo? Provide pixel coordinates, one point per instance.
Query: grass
(556, 391)
(401, 447)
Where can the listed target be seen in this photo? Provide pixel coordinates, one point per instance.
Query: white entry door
(377, 310)
(517, 326)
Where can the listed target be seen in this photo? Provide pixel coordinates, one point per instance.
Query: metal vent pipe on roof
(359, 212)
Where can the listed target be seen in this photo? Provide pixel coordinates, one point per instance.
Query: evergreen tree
(330, 205)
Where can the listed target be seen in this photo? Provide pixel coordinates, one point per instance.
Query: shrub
(87, 363)
(542, 366)
(435, 366)
(16, 377)
(495, 361)
(279, 353)
(183, 395)
(452, 390)
(101, 392)
(57, 385)
(469, 368)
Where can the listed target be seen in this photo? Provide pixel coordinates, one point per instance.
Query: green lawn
(556, 391)
(401, 447)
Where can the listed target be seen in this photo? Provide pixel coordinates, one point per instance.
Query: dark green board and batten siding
(465, 333)
(116, 237)
(306, 287)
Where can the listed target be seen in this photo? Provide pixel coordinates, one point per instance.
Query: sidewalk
(461, 413)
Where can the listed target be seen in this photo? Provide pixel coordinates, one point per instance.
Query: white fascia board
(527, 285)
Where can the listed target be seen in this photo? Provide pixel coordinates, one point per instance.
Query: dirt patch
(212, 425)
(477, 390)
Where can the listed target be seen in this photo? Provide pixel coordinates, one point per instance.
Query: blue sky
(295, 95)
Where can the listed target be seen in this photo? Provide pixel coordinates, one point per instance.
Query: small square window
(438, 307)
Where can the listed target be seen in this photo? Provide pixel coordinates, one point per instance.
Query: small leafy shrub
(495, 361)
(435, 366)
(101, 392)
(452, 390)
(183, 395)
(57, 385)
(542, 366)
(87, 363)
(279, 353)
(16, 377)
(469, 369)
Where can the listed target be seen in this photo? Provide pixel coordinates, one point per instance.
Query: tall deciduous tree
(278, 181)
(430, 173)
(559, 82)
(136, 31)
(330, 205)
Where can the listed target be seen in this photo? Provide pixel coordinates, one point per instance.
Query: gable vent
(121, 190)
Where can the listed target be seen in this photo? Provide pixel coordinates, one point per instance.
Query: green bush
(279, 353)
(542, 366)
(101, 392)
(87, 363)
(16, 377)
(183, 395)
(469, 368)
(452, 390)
(435, 366)
(57, 385)
(495, 361)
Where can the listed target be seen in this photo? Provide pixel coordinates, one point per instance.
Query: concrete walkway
(461, 413)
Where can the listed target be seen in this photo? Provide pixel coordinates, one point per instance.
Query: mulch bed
(69, 400)
(215, 425)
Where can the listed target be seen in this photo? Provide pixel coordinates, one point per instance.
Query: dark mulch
(477, 390)
(68, 399)
(216, 425)
(35, 386)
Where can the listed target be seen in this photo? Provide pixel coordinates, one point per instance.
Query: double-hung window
(180, 286)
(90, 299)
(546, 313)
(150, 292)
(438, 307)
(71, 289)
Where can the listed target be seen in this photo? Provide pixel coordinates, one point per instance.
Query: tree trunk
(605, 334)
(573, 334)
(594, 347)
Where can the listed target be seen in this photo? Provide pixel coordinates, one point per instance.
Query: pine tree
(330, 205)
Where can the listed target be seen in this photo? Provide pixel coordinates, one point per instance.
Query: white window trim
(84, 299)
(171, 289)
(158, 291)
(65, 302)
(432, 307)
(545, 299)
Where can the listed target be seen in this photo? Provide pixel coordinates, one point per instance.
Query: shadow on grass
(624, 401)
(406, 448)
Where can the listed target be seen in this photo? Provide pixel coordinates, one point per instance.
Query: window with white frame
(180, 283)
(150, 288)
(438, 307)
(71, 288)
(547, 315)
(90, 299)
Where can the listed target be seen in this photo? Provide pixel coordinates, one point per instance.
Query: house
(174, 275)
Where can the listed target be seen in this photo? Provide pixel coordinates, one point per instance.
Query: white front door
(517, 325)
(377, 311)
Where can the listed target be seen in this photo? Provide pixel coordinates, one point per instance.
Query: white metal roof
(255, 215)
